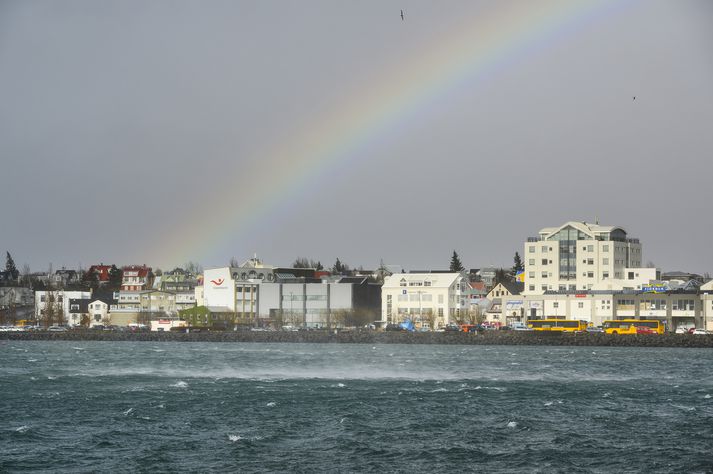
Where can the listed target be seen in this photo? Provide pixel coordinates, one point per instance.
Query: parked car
(682, 330)
(594, 329)
(452, 328)
(57, 329)
(701, 332)
(644, 330)
(520, 327)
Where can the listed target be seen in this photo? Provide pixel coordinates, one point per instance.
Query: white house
(60, 300)
(423, 297)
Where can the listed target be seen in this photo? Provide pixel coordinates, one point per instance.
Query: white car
(681, 330)
(700, 331)
(57, 329)
(520, 327)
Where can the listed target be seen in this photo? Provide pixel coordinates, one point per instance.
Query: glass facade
(568, 238)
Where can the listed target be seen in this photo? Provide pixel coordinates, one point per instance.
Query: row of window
(414, 283)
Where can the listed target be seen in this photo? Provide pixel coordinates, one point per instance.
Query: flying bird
(634, 98)
(402, 15)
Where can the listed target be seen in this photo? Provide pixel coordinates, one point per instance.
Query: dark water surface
(133, 406)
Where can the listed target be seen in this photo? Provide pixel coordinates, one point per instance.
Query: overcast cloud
(117, 117)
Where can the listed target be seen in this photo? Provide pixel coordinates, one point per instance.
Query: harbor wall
(378, 337)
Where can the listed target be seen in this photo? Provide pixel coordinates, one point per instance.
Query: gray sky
(122, 122)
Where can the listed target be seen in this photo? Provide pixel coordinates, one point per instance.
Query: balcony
(534, 239)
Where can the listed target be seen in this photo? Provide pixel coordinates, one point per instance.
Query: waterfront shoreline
(515, 338)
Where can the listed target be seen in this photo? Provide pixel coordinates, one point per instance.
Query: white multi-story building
(582, 256)
(273, 297)
(59, 299)
(437, 297)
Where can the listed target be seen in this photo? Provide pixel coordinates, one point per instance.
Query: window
(531, 261)
(590, 261)
(426, 283)
(402, 282)
(403, 297)
(440, 312)
(440, 299)
(580, 305)
(544, 261)
(605, 261)
(590, 248)
(590, 274)
(631, 275)
(544, 274)
(605, 248)
(531, 275)
(544, 249)
(555, 304)
(532, 287)
(544, 287)
(531, 249)
(605, 275)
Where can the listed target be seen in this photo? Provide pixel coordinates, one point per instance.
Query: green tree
(517, 266)
(302, 262)
(114, 278)
(456, 266)
(10, 267)
(502, 276)
(340, 268)
(91, 279)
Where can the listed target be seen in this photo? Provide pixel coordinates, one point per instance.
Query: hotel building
(581, 256)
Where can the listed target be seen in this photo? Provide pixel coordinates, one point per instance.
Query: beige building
(433, 298)
(675, 309)
(582, 256)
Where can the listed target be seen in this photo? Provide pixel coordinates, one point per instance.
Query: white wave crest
(180, 384)
(22, 429)
(271, 404)
(512, 424)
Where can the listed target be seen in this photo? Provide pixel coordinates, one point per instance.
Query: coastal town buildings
(583, 256)
(432, 299)
(55, 304)
(136, 278)
(297, 298)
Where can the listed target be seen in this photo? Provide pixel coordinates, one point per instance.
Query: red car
(644, 330)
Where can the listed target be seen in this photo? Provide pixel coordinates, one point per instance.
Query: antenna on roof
(596, 220)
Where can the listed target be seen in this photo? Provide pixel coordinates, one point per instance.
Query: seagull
(634, 98)
(402, 15)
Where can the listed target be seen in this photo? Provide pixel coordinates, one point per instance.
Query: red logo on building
(218, 282)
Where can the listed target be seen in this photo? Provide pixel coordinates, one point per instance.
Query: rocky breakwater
(528, 338)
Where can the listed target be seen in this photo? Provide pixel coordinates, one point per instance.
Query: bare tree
(193, 268)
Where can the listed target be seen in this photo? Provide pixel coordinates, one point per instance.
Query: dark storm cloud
(116, 115)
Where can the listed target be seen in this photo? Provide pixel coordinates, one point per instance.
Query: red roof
(142, 270)
(102, 271)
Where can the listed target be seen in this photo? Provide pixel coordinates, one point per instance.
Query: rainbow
(485, 43)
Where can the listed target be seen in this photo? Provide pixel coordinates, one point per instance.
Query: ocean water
(204, 407)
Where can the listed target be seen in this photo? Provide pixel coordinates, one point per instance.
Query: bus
(634, 326)
(562, 325)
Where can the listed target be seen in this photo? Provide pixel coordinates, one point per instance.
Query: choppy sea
(204, 407)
